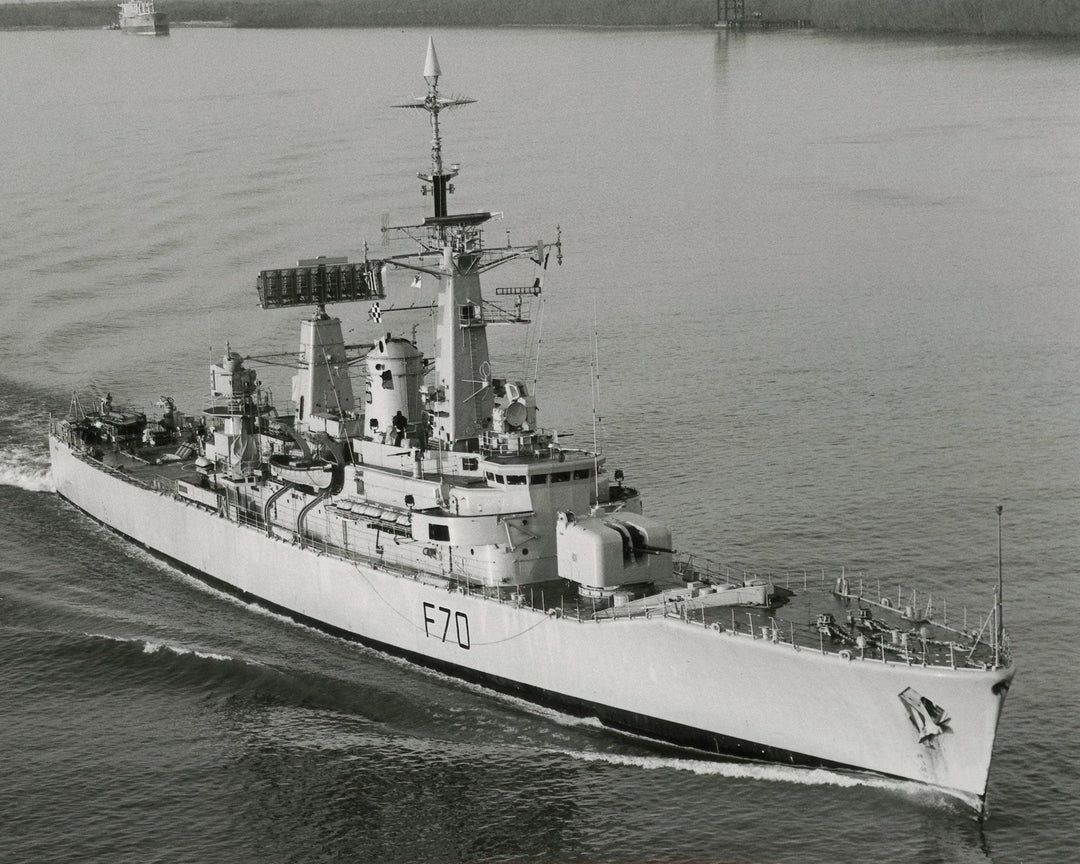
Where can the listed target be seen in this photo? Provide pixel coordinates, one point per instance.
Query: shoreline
(992, 18)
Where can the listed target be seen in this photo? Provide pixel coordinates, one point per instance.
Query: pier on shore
(765, 24)
(731, 15)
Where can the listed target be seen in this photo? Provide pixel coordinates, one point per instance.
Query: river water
(831, 285)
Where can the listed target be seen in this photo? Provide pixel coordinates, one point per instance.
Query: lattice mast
(460, 399)
(462, 402)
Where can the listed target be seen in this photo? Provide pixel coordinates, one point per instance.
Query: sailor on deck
(401, 422)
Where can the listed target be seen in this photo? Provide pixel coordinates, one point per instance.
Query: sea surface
(825, 289)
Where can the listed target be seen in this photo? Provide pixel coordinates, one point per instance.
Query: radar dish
(516, 414)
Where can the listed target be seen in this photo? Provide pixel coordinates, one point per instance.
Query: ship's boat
(301, 472)
(433, 517)
(139, 16)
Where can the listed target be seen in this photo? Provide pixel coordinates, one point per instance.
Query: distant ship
(433, 518)
(138, 16)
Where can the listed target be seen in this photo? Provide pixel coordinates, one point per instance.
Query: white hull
(664, 677)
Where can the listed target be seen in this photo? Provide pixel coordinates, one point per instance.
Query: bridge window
(538, 479)
(582, 474)
(560, 476)
(438, 531)
(516, 479)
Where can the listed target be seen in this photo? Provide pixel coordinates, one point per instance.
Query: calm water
(834, 289)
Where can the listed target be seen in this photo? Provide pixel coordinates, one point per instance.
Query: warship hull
(722, 692)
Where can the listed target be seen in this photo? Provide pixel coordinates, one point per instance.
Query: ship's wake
(151, 646)
(354, 737)
(330, 723)
(245, 681)
(97, 659)
(707, 766)
(136, 658)
(25, 468)
(738, 770)
(917, 793)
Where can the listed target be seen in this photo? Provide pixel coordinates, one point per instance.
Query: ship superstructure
(140, 17)
(430, 515)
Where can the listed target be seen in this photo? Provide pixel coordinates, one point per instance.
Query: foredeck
(828, 614)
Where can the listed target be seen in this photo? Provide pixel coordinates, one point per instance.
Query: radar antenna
(440, 177)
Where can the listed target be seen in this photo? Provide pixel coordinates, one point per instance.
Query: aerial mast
(440, 176)
(999, 624)
(464, 401)
(461, 399)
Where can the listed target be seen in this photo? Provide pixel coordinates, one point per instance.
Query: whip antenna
(999, 629)
(597, 419)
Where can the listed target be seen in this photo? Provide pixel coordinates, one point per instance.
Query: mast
(439, 178)
(999, 629)
(463, 400)
(460, 401)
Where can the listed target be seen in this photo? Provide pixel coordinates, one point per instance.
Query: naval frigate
(431, 516)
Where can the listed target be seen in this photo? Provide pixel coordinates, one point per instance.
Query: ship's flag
(374, 313)
(416, 281)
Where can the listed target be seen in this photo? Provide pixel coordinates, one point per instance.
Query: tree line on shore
(980, 17)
